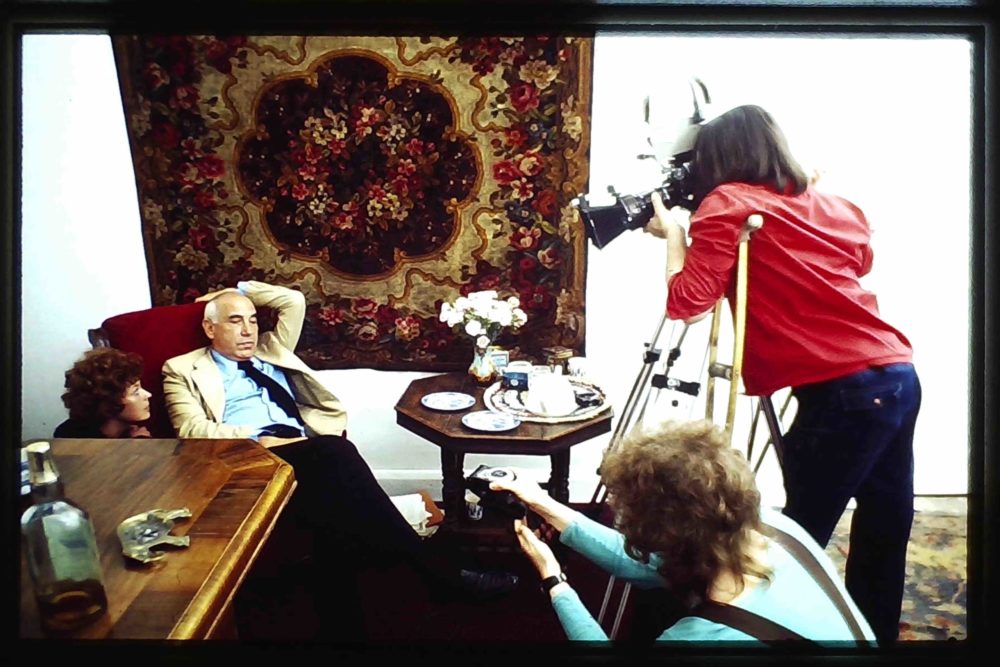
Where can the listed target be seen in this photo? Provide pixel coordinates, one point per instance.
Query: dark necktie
(277, 393)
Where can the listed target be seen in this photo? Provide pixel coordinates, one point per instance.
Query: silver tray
(510, 402)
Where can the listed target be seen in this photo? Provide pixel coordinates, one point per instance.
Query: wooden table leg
(559, 479)
(452, 485)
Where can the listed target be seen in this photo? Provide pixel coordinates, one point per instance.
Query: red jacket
(808, 318)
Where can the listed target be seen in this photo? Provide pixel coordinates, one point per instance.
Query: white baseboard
(400, 482)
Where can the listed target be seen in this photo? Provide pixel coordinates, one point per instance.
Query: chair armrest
(98, 337)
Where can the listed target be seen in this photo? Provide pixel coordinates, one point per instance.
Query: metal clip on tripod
(731, 373)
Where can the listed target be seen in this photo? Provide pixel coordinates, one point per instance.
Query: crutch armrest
(754, 222)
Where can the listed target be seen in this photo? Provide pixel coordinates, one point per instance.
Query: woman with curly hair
(104, 397)
(689, 520)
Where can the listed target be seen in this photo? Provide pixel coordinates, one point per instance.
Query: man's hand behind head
(212, 295)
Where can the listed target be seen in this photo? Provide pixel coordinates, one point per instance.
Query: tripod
(646, 380)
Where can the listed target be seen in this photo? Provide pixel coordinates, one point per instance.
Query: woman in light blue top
(689, 520)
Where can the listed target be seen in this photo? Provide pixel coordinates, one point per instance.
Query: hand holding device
(538, 552)
(503, 501)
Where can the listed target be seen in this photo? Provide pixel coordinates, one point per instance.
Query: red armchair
(156, 334)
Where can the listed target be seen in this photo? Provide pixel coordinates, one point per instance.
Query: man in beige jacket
(193, 383)
(242, 386)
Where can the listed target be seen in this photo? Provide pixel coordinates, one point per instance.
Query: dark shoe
(485, 585)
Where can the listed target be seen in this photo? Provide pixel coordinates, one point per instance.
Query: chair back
(156, 334)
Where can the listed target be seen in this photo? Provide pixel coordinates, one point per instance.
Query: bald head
(212, 308)
(230, 323)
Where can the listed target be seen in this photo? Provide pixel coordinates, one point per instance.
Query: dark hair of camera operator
(745, 145)
(688, 519)
(104, 396)
(810, 326)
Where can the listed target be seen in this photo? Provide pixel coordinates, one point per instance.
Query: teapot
(550, 394)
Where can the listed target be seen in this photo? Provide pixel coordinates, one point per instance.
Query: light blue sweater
(792, 598)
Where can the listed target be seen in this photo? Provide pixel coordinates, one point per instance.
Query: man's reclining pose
(240, 387)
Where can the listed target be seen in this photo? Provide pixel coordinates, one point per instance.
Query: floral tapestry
(381, 176)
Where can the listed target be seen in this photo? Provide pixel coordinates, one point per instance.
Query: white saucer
(448, 400)
(487, 420)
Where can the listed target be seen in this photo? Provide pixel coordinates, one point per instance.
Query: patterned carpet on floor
(934, 602)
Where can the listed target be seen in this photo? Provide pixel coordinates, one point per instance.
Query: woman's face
(135, 404)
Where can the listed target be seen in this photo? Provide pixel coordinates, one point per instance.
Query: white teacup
(550, 395)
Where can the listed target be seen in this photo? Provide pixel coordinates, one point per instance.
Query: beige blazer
(192, 383)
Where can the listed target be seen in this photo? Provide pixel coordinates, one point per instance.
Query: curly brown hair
(681, 492)
(96, 383)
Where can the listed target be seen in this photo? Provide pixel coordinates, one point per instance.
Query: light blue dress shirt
(248, 404)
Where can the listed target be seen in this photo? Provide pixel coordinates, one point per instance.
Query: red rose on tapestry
(506, 172)
(365, 308)
(524, 97)
(545, 203)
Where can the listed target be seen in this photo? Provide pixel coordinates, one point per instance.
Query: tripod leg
(641, 383)
(753, 434)
(607, 599)
(621, 611)
(775, 428)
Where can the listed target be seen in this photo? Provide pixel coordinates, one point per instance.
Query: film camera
(603, 224)
(503, 502)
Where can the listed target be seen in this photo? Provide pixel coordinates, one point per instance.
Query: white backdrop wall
(886, 119)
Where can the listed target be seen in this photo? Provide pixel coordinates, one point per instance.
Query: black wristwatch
(549, 582)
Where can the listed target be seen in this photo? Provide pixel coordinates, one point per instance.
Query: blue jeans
(853, 437)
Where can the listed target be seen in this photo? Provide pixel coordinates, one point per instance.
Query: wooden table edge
(227, 574)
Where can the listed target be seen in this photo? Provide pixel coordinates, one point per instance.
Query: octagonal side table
(446, 430)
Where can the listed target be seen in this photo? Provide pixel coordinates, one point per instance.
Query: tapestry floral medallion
(379, 175)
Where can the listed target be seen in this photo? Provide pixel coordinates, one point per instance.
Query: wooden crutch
(732, 373)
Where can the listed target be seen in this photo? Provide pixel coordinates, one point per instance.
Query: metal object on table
(140, 533)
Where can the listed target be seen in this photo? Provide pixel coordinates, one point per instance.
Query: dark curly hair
(681, 492)
(97, 382)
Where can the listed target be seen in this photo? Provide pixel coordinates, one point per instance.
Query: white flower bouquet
(483, 314)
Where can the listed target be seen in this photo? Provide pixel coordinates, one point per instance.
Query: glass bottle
(61, 549)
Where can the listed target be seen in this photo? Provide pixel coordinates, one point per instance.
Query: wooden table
(445, 429)
(235, 490)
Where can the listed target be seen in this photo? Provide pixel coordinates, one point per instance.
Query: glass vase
(482, 369)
